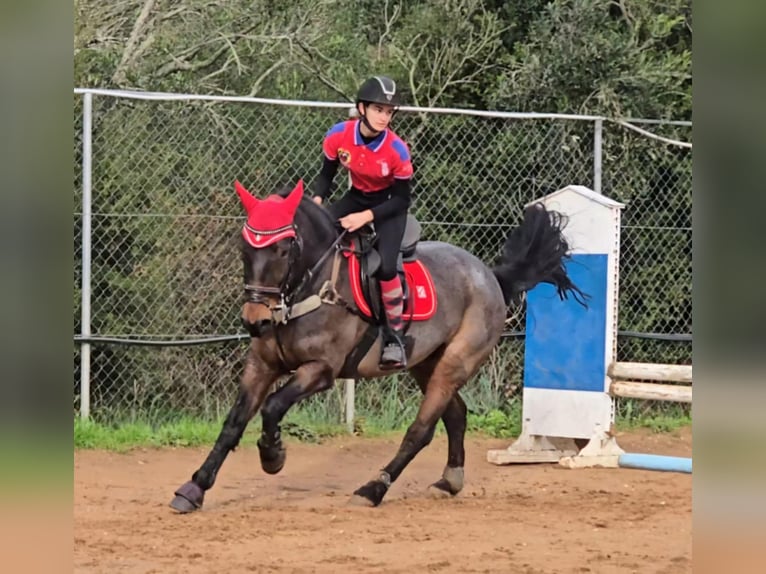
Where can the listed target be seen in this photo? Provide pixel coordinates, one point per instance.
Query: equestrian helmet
(379, 90)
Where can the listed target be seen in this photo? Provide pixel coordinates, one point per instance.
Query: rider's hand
(317, 200)
(354, 221)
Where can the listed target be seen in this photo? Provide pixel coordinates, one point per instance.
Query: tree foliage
(616, 58)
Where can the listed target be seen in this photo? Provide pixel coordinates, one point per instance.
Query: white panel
(575, 414)
(590, 228)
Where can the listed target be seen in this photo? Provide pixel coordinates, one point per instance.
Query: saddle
(364, 261)
(419, 292)
(367, 241)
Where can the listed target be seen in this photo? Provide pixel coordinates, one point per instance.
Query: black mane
(314, 211)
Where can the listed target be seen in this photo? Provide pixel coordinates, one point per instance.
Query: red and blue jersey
(373, 166)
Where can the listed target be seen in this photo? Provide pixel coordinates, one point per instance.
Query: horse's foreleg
(253, 388)
(442, 387)
(455, 421)
(310, 378)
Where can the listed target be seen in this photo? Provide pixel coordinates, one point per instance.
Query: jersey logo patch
(344, 156)
(383, 168)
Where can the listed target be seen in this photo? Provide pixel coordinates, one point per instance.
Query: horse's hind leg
(310, 378)
(254, 385)
(454, 419)
(448, 376)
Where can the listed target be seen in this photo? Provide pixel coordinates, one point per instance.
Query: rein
(309, 275)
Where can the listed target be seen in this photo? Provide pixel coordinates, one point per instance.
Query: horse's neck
(317, 232)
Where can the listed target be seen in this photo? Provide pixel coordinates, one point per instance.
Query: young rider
(380, 169)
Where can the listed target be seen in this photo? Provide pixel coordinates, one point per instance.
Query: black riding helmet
(377, 90)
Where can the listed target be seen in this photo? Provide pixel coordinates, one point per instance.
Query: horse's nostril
(256, 329)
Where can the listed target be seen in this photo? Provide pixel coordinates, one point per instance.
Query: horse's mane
(313, 210)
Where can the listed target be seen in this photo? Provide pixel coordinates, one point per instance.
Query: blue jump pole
(655, 462)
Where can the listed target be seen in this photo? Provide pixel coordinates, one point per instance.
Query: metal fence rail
(156, 226)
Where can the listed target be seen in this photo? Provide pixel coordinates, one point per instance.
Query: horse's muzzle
(256, 318)
(257, 329)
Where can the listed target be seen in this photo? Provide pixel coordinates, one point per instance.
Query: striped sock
(391, 292)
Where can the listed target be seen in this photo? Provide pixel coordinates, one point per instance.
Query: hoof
(372, 492)
(441, 489)
(357, 500)
(272, 459)
(188, 498)
(453, 478)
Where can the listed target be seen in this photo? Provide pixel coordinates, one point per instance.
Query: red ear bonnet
(269, 220)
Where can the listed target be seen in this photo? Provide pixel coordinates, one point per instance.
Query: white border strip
(306, 103)
(165, 96)
(653, 136)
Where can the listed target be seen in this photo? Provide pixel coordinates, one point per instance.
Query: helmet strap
(366, 122)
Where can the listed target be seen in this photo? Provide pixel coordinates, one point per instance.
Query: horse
(292, 250)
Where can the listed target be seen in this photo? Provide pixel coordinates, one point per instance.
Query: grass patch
(183, 432)
(300, 425)
(657, 423)
(656, 416)
(384, 408)
(496, 423)
(127, 435)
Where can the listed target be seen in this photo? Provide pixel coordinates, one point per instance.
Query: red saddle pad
(422, 293)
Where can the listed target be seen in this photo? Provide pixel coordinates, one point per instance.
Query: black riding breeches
(390, 231)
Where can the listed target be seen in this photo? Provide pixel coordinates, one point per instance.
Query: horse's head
(271, 248)
(284, 235)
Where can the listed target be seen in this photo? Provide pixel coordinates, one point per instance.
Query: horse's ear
(295, 196)
(248, 201)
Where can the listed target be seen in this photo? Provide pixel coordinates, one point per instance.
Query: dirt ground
(528, 519)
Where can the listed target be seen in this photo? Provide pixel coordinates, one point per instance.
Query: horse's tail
(535, 253)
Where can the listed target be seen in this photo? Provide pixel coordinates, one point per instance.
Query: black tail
(535, 253)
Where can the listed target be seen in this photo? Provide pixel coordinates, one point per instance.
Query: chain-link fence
(165, 223)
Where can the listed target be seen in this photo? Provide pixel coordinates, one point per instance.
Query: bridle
(291, 286)
(262, 294)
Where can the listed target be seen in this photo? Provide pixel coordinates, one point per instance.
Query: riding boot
(393, 355)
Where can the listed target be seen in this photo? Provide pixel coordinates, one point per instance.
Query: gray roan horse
(293, 334)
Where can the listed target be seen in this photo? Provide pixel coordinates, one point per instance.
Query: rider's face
(379, 115)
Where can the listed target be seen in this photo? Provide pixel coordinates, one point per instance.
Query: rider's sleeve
(403, 164)
(330, 165)
(324, 179)
(332, 139)
(398, 203)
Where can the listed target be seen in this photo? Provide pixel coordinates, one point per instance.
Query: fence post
(87, 151)
(598, 134)
(349, 387)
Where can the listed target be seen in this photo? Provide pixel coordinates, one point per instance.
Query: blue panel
(565, 343)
